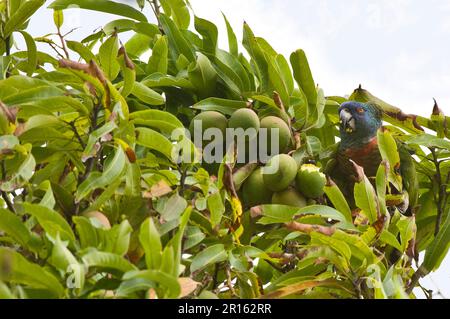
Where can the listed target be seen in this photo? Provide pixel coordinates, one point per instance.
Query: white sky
(397, 49)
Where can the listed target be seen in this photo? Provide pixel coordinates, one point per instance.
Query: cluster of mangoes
(282, 182)
(244, 118)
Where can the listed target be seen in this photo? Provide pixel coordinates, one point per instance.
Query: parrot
(359, 125)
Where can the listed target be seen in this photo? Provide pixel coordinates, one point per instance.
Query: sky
(397, 49)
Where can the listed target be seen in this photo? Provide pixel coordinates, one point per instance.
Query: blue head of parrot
(359, 123)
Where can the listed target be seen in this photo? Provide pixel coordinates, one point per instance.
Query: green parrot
(359, 125)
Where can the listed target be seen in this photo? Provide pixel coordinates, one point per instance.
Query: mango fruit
(310, 181)
(279, 172)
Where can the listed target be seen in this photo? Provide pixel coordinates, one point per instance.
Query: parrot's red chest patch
(368, 156)
(363, 152)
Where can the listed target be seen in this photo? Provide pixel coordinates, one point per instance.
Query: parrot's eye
(360, 110)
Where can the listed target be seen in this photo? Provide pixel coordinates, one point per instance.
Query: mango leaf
(151, 243)
(13, 226)
(389, 153)
(178, 11)
(123, 25)
(211, 255)
(438, 249)
(388, 238)
(128, 70)
(203, 76)
(208, 31)
(21, 15)
(177, 241)
(174, 207)
(108, 57)
(366, 198)
(224, 106)
(138, 44)
(338, 200)
(167, 282)
(429, 141)
(107, 261)
(381, 183)
(86, 231)
(154, 141)
(177, 42)
(147, 95)
(18, 270)
(216, 208)
(303, 75)
(32, 53)
(337, 245)
(158, 61)
(275, 214)
(299, 287)
(51, 221)
(95, 180)
(257, 53)
(232, 41)
(161, 120)
(101, 6)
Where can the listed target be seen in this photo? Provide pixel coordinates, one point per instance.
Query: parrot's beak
(347, 121)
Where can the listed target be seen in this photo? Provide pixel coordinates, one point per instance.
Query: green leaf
(257, 53)
(147, 95)
(58, 18)
(86, 232)
(16, 269)
(128, 73)
(438, 249)
(381, 184)
(20, 16)
(13, 226)
(216, 208)
(203, 76)
(51, 221)
(211, 255)
(123, 25)
(224, 106)
(178, 11)
(138, 44)
(107, 261)
(154, 141)
(84, 52)
(108, 57)
(158, 61)
(151, 243)
(174, 207)
(338, 200)
(279, 214)
(208, 31)
(166, 281)
(121, 235)
(389, 153)
(232, 41)
(177, 241)
(388, 238)
(95, 180)
(366, 199)
(303, 75)
(161, 120)
(101, 6)
(337, 245)
(429, 141)
(32, 53)
(177, 42)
